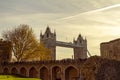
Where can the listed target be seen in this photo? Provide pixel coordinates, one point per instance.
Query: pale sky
(98, 20)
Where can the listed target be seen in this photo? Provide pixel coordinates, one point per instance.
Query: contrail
(106, 8)
(93, 11)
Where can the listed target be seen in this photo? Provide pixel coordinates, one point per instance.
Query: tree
(38, 53)
(23, 41)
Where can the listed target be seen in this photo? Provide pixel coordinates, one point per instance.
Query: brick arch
(56, 73)
(14, 70)
(33, 72)
(44, 66)
(6, 70)
(23, 71)
(71, 73)
(44, 75)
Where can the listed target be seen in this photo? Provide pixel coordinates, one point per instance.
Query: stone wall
(46, 70)
(111, 49)
(97, 68)
(94, 68)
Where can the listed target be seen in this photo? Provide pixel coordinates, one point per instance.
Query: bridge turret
(80, 52)
(79, 39)
(49, 41)
(48, 30)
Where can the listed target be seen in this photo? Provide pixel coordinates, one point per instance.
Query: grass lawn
(11, 77)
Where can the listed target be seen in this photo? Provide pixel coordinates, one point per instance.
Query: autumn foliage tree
(38, 53)
(25, 44)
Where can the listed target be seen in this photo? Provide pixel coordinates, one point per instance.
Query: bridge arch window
(44, 73)
(56, 73)
(14, 71)
(6, 71)
(71, 73)
(33, 73)
(23, 71)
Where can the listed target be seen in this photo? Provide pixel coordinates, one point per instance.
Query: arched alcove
(14, 71)
(6, 71)
(56, 73)
(23, 71)
(71, 73)
(44, 73)
(33, 73)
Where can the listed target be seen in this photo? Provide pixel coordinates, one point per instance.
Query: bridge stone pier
(46, 70)
(79, 46)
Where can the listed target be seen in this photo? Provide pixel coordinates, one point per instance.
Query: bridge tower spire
(49, 41)
(80, 52)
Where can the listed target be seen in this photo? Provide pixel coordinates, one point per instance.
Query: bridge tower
(80, 52)
(49, 41)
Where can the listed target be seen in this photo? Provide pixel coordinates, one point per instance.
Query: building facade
(110, 49)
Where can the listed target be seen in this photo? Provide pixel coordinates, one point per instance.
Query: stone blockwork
(111, 49)
(67, 69)
(94, 68)
(5, 51)
(97, 68)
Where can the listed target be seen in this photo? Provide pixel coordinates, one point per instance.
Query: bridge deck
(67, 44)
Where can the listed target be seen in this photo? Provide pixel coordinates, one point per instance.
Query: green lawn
(11, 77)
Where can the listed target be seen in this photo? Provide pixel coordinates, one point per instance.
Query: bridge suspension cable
(90, 56)
(88, 53)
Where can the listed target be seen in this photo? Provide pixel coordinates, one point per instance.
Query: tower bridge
(79, 45)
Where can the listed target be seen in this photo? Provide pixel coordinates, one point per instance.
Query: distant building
(111, 49)
(5, 51)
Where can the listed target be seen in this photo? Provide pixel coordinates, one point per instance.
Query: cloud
(48, 6)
